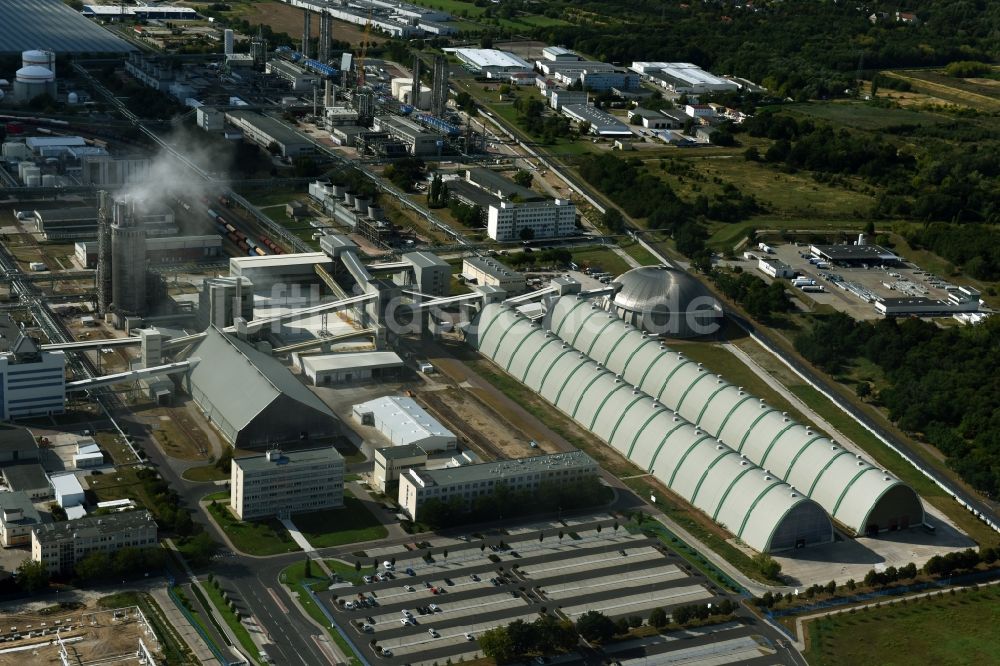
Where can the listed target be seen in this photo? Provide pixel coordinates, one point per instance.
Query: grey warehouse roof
(402, 419)
(852, 490)
(15, 438)
(750, 502)
(304, 458)
(50, 24)
(26, 476)
(233, 383)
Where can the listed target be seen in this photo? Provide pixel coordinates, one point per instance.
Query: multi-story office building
(59, 546)
(508, 221)
(279, 484)
(416, 486)
(33, 382)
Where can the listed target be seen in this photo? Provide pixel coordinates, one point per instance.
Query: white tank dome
(34, 73)
(35, 55)
(72, 98)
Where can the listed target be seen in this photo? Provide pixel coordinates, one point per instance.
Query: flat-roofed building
(431, 273)
(33, 381)
(298, 78)
(492, 273)
(28, 478)
(531, 220)
(264, 272)
(683, 77)
(67, 490)
(280, 483)
(855, 255)
(18, 517)
(468, 482)
(392, 461)
(265, 131)
(403, 422)
(491, 63)
(601, 122)
(348, 367)
(419, 141)
(60, 546)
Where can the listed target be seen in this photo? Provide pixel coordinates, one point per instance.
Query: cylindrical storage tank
(49, 180)
(374, 212)
(339, 190)
(349, 198)
(39, 58)
(33, 181)
(360, 204)
(34, 73)
(72, 98)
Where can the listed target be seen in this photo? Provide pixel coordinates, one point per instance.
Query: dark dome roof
(666, 301)
(661, 287)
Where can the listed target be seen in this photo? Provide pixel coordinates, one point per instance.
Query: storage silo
(32, 81)
(229, 41)
(128, 261)
(39, 58)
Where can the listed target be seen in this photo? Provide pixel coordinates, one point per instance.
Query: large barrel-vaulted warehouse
(753, 504)
(856, 493)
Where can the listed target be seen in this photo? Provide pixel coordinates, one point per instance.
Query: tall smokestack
(228, 41)
(103, 253)
(415, 86)
(325, 32)
(306, 31)
(328, 94)
(439, 86)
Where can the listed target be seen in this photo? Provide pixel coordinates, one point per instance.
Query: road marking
(324, 648)
(277, 600)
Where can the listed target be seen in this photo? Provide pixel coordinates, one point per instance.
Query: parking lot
(425, 611)
(853, 290)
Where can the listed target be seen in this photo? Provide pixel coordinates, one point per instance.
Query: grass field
(982, 94)
(947, 630)
(205, 473)
(336, 527)
(255, 537)
(861, 115)
(603, 257)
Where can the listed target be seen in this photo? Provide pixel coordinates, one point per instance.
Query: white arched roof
(851, 489)
(756, 506)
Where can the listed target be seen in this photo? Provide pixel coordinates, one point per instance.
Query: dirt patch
(288, 19)
(491, 436)
(177, 432)
(110, 636)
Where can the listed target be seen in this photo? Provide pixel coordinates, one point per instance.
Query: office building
(510, 221)
(60, 546)
(490, 272)
(33, 381)
(280, 483)
(468, 482)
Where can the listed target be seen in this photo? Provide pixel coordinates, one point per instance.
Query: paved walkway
(180, 623)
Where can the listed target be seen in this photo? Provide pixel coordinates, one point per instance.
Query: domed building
(665, 301)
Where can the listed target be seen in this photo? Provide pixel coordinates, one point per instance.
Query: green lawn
(241, 633)
(336, 527)
(205, 473)
(604, 257)
(254, 537)
(947, 630)
(294, 576)
(864, 116)
(639, 253)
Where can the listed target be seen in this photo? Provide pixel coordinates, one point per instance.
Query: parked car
(367, 579)
(469, 637)
(433, 632)
(406, 613)
(434, 608)
(408, 588)
(474, 578)
(386, 652)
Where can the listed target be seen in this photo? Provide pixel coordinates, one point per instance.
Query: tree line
(942, 383)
